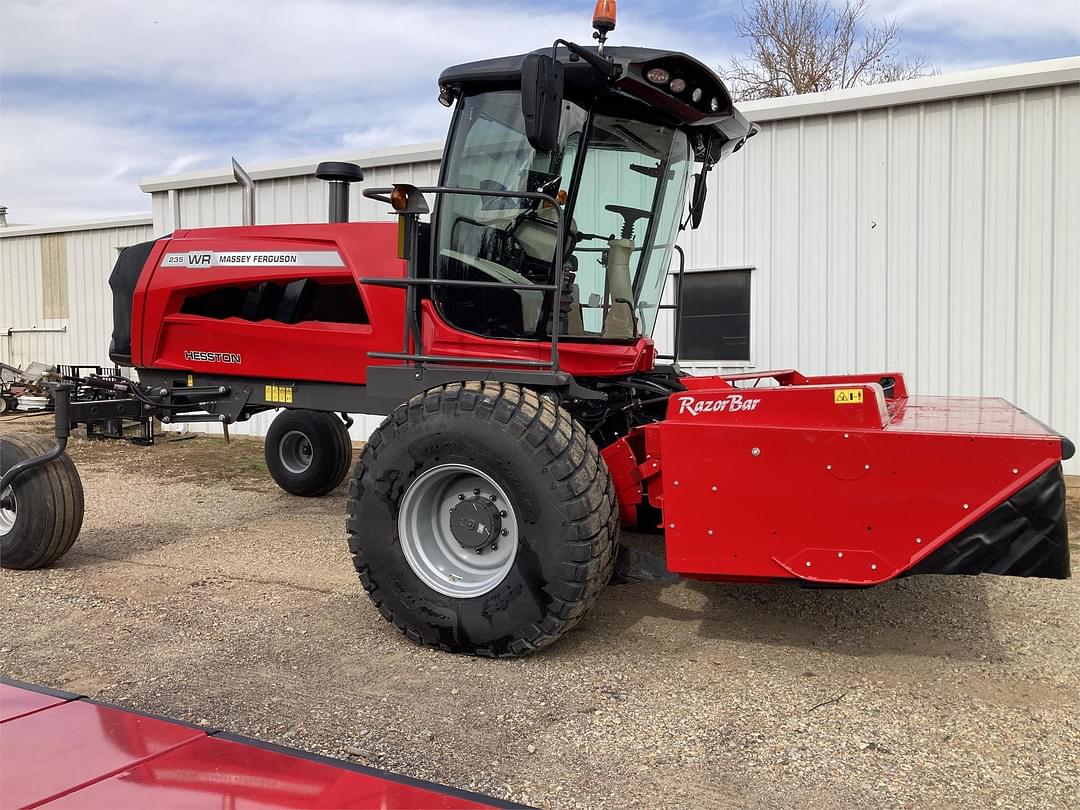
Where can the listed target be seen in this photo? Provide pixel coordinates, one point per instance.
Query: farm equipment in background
(506, 338)
(33, 390)
(8, 376)
(25, 389)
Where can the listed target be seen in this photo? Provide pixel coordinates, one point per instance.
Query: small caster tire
(41, 513)
(308, 453)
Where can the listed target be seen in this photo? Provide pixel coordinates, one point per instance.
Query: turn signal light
(406, 198)
(399, 198)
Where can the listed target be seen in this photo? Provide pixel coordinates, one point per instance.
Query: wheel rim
(295, 452)
(458, 530)
(9, 510)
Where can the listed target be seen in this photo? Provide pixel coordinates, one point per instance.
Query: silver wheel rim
(7, 516)
(429, 544)
(295, 452)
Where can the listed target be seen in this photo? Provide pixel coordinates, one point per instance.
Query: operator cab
(612, 137)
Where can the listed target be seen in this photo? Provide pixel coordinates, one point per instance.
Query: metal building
(55, 305)
(928, 226)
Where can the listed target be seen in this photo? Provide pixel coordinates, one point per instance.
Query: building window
(714, 317)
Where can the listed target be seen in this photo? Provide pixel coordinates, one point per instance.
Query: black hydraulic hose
(28, 464)
(62, 429)
(642, 403)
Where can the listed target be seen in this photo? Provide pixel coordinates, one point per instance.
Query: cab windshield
(622, 198)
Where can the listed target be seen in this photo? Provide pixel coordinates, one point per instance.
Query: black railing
(676, 307)
(411, 282)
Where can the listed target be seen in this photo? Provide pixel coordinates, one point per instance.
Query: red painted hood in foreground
(63, 750)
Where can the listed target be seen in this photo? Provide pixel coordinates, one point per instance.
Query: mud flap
(1026, 536)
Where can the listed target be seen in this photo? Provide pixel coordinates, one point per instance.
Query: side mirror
(541, 100)
(697, 199)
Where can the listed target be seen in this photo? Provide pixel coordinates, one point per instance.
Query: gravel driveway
(200, 591)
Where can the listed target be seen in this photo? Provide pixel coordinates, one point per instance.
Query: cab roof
(630, 93)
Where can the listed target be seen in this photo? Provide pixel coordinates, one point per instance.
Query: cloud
(55, 168)
(96, 95)
(980, 19)
(269, 49)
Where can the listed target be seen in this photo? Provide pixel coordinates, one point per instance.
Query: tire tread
(55, 493)
(562, 448)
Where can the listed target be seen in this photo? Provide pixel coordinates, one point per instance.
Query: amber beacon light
(603, 16)
(603, 20)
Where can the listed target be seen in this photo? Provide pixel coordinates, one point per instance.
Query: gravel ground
(200, 591)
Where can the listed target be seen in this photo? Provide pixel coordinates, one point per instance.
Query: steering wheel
(533, 205)
(630, 217)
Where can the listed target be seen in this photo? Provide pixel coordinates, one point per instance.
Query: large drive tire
(431, 469)
(308, 452)
(48, 506)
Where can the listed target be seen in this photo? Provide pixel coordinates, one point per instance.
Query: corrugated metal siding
(938, 239)
(82, 337)
(301, 198)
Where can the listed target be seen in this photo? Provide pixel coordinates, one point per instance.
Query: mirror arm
(697, 197)
(605, 67)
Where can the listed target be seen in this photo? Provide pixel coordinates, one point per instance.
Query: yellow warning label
(190, 380)
(847, 396)
(281, 394)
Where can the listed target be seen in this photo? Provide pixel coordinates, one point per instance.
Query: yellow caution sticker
(847, 396)
(190, 380)
(281, 394)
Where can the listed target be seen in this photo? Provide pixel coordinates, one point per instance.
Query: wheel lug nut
(492, 496)
(494, 546)
(476, 492)
(504, 532)
(461, 496)
(502, 513)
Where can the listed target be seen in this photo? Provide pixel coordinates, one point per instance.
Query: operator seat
(620, 321)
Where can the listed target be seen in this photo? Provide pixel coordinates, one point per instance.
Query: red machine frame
(844, 458)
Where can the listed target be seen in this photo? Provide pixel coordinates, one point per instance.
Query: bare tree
(805, 46)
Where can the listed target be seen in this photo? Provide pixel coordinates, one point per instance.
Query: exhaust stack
(339, 174)
(247, 191)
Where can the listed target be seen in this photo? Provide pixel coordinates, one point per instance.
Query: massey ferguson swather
(505, 334)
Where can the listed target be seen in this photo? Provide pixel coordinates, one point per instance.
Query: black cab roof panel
(631, 93)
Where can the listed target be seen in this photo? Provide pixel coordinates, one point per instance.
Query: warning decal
(282, 394)
(847, 396)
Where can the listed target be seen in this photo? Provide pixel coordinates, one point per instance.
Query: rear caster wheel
(482, 519)
(42, 511)
(8, 404)
(308, 452)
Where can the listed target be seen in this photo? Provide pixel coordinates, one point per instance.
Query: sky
(96, 95)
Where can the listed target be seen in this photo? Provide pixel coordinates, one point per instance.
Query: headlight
(714, 104)
(696, 95)
(677, 85)
(658, 75)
